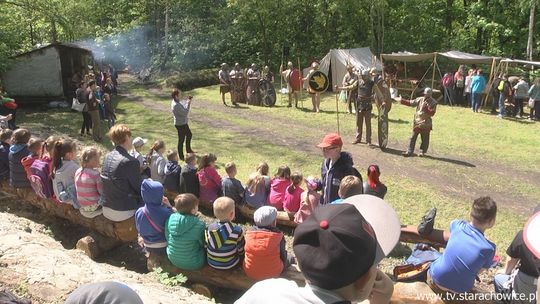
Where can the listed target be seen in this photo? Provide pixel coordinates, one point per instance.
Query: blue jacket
(17, 174)
(172, 176)
(4, 161)
(331, 177)
(152, 194)
(478, 84)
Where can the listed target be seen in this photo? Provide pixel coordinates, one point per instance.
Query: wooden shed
(44, 74)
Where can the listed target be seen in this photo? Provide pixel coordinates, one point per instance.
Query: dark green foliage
(190, 80)
(187, 35)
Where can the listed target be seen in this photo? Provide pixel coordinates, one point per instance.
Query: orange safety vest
(262, 260)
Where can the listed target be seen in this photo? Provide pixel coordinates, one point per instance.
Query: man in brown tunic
(425, 109)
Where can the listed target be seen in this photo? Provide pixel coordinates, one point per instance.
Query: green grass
(410, 198)
(457, 131)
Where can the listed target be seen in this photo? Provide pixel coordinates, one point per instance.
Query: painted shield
(295, 80)
(267, 93)
(318, 81)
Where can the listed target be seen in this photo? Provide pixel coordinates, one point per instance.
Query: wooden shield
(382, 92)
(267, 93)
(295, 80)
(318, 81)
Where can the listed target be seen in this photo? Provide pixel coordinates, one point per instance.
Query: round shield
(295, 80)
(267, 93)
(318, 81)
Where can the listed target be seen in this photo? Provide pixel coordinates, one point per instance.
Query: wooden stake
(433, 74)
(337, 111)
(301, 83)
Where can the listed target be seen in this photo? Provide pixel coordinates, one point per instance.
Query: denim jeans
(499, 280)
(476, 98)
(502, 110)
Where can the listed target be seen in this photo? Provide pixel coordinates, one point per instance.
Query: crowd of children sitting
(51, 169)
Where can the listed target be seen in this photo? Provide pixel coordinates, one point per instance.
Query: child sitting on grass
(88, 183)
(17, 151)
(309, 200)
(350, 185)
(5, 143)
(265, 255)
(224, 240)
(189, 181)
(156, 161)
(231, 186)
(35, 146)
(292, 198)
(184, 233)
(172, 173)
(278, 186)
(151, 219)
(209, 179)
(373, 185)
(63, 174)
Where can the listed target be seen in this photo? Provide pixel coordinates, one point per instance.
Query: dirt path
(451, 176)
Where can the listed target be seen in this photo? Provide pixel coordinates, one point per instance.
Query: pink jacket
(313, 199)
(291, 201)
(210, 184)
(278, 187)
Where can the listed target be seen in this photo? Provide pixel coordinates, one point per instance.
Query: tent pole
(382, 67)
(490, 81)
(301, 83)
(433, 74)
(405, 69)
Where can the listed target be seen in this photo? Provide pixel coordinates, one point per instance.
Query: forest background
(186, 35)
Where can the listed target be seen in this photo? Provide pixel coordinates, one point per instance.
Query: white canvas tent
(334, 64)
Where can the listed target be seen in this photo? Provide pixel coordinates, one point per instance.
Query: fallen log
(437, 238)
(283, 218)
(232, 279)
(124, 231)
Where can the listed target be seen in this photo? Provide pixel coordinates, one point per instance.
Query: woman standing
(534, 93)
(180, 111)
(459, 84)
(82, 98)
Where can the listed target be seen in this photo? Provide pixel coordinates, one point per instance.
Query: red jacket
(262, 256)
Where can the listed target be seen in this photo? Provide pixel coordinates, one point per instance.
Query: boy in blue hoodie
(151, 219)
(18, 151)
(172, 173)
(5, 143)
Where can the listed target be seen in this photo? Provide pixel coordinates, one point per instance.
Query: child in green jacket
(185, 234)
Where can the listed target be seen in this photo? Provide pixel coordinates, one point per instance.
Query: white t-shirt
(283, 291)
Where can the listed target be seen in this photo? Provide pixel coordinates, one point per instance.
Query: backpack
(448, 80)
(41, 180)
(500, 87)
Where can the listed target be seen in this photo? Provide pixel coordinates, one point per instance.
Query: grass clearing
(410, 198)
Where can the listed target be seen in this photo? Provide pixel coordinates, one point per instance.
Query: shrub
(186, 81)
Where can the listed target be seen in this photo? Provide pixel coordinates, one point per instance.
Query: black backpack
(428, 220)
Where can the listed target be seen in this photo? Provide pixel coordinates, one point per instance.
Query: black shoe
(406, 154)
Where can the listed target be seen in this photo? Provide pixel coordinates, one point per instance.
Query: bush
(186, 81)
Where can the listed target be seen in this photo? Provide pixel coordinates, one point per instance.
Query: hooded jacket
(185, 241)
(17, 174)
(151, 219)
(189, 181)
(278, 187)
(264, 249)
(331, 176)
(171, 182)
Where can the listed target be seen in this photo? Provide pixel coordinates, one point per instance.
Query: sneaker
(500, 116)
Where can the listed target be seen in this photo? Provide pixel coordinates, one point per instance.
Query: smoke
(129, 48)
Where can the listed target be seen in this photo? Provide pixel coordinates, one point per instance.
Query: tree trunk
(165, 47)
(265, 46)
(54, 33)
(449, 17)
(531, 30)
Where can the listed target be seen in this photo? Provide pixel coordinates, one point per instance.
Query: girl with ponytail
(373, 185)
(156, 161)
(63, 173)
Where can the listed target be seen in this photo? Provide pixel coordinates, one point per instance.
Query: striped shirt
(225, 244)
(89, 186)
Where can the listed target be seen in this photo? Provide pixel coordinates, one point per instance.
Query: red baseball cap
(331, 139)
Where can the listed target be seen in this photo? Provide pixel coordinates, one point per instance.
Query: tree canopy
(195, 34)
